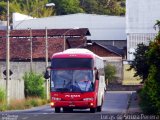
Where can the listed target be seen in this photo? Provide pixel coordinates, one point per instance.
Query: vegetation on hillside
(62, 7)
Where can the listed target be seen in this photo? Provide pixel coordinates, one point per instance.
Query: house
(106, 30)
(107, 52)
(111, 55)
(141, 16)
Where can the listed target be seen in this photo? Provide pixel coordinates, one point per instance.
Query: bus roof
(75, 53)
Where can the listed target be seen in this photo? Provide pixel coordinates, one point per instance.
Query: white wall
(19, 17)
(141, 16)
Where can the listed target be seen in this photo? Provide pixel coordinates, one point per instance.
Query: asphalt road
(114, 108)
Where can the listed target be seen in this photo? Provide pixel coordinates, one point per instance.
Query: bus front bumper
(73, 104)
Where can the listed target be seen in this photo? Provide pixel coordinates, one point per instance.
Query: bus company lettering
(72, 96)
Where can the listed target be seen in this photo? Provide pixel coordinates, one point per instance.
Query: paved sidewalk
(134, 104)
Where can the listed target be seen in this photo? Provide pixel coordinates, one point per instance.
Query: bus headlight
(52, 103)
(88, 99)
(56, 99)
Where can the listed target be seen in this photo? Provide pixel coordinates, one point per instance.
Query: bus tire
(99, 108)
(57, 110)
(92, 110)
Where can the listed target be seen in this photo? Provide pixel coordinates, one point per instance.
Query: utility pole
(7, 56)
(46, 50)
(31, 58)
(64, 37)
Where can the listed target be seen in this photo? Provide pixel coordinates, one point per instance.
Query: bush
(2, 96)
(35, 101)
(110, 72)
(150, 93)
(34, 85)
(17, 105)
(3, 105)
(26, 103)
(150, 99)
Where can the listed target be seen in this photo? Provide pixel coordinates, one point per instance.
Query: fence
(16, 83)
(16, 88)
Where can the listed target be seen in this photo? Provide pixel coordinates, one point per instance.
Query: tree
(26, 7)
(140, 63)
(64, 7)
(105, 7)
(114, 8)
(3, 9)
(110, 72)
(89, 6)
(150, 93)
(35, 8)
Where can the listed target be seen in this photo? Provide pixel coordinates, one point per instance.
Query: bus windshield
(72, 80)
(74, 63)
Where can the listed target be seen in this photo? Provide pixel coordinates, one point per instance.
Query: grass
(128, 78)
(23, 104)
(130, 82)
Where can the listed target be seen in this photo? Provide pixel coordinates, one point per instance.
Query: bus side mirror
(46, 74)
(97, 75)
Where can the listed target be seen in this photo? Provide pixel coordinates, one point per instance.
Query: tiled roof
(50, 32)
(75, 42)
(111, 48)
(20, 47)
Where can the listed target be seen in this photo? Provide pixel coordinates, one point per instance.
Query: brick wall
(101, 51)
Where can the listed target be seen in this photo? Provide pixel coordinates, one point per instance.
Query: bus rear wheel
(93, 110)
(57, 110)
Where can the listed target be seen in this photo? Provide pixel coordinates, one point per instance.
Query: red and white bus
(77, 80)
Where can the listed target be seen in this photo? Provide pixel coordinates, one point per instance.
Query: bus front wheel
(99, 108)
(93, 110)
(57, 110)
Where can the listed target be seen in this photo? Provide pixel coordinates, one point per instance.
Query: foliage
(110, 72)
(26, 103)
(2, 96)
(36, 8)
(89, 6)
(150, 99)
(140, 63)
(106, 7)
(34, 85)
(150, 93)
(64, 7)
(3, 106)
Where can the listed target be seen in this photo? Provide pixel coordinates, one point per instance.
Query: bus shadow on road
(77, 111)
